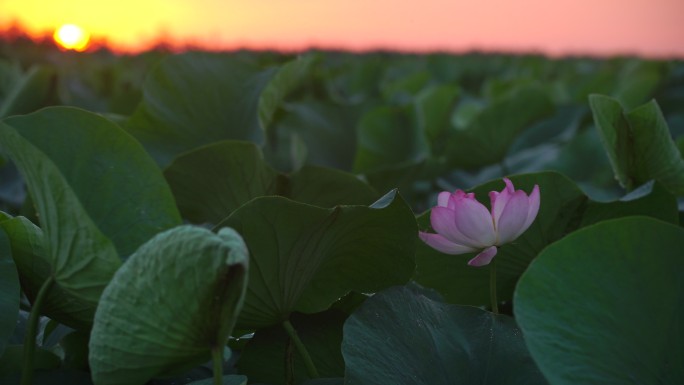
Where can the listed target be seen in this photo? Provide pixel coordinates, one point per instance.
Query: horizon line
(14, 31)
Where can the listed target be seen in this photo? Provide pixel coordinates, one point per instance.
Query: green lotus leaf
(319, 130)
(387, 137)
(98, 194)
(169, 305)
(603, 305)
(28, 251)
(405, 336)
(487, 139)
(304, 257)
(29, 91)
(197, 98)
(639, 144)
(210, 182)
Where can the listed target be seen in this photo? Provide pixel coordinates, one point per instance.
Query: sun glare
(70, 36)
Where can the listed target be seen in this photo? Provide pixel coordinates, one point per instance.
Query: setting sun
(70, 36)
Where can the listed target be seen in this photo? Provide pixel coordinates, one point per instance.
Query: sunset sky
(605, 27)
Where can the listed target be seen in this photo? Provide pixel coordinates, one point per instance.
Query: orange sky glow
(562, 27)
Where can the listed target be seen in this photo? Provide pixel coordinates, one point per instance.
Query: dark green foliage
(326, 164)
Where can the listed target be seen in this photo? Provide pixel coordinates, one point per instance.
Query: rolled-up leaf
(177, 298)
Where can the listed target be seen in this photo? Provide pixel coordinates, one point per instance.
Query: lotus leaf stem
(32, 328)
(308, 362)
(217, 357)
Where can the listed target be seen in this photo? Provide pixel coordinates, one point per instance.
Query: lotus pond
(328, 218)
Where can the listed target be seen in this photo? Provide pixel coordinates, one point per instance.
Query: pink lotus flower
(464, 225)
